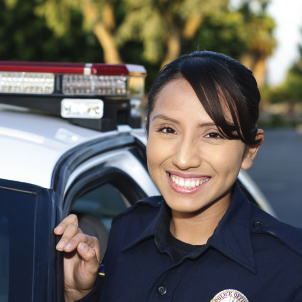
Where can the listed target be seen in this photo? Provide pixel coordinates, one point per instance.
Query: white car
(80, 156)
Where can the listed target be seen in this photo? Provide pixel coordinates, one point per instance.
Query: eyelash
(166, 128)
(217, 135)
(172, 131)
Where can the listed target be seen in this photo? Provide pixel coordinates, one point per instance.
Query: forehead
(178, 99)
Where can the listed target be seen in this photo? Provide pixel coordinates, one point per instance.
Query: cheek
(158, 152)
(225, 160)
(155, 154)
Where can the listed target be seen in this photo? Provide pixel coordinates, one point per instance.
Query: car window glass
(4, 259)
(102, 203)
(16, 245)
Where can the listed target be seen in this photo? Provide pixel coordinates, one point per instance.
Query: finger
(90, 256)
(71, 219)
(89, 241)
(71, 231)
(76, 240)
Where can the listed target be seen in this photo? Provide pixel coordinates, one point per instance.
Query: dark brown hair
(218, 81)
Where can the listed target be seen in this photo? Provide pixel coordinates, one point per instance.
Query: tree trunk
(260, 72)
(111, 53)
(191, 27)
(256, 63)
(103, 34)
(173, 43)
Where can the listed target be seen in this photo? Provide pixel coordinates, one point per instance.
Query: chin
(184, 206)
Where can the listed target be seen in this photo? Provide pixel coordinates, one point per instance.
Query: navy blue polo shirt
(250, 257)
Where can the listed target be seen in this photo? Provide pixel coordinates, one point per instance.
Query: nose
(186, 155)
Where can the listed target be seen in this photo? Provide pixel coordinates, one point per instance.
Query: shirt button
(257, 225)
(162, 290)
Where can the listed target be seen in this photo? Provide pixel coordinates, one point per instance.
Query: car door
(105, 185)
(27, 256)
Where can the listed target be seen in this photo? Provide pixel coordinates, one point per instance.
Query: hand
(81, 258)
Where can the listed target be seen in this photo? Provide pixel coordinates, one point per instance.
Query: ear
(251, 151)
(146, 130)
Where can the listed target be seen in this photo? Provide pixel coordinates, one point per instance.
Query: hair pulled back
(220, 83)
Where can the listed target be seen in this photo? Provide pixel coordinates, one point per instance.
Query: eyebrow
(166, 118)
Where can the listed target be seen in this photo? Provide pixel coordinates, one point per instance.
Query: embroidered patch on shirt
(230, 295)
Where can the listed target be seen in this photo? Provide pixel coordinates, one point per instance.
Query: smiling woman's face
(190, 162)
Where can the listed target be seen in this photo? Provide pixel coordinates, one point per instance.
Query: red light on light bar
(74, 68)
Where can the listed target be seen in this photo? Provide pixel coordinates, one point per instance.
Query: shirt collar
(231, 237)
(150, 230)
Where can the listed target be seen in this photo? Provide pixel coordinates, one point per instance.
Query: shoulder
(138, 221)
(263, 223)
(147, 207)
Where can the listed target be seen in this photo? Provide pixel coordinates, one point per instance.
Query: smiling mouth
(188, 183)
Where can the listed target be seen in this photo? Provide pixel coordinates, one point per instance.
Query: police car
(68, 144)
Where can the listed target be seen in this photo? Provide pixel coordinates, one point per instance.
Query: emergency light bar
(122, 80)
(92, 95)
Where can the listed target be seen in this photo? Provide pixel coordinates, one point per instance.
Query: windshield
(17, 211)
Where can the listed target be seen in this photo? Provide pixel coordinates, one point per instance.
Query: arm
(81, 260)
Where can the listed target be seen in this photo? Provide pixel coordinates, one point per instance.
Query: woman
(202, 240)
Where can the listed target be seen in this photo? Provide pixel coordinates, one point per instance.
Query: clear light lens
(27, 82)
(103, 85)
(136, 86)
(82, 108)
(135, 106)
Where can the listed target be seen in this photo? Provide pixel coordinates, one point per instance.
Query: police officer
(202, 240)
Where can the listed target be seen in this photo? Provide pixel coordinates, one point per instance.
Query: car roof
(31, 143)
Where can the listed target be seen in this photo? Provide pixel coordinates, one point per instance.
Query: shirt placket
(164, 285)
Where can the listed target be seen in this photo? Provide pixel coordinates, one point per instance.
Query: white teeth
(187, 184)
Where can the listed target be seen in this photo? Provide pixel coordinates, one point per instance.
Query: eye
(167, 130)
(214, 135)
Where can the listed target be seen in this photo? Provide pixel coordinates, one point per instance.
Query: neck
(197, 228)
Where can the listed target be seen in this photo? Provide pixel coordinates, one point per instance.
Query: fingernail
(60, 245)
(68, 245)
(83, 247)
(59, 228)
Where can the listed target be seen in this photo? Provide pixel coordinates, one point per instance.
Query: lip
(185, 175)
(185, 190)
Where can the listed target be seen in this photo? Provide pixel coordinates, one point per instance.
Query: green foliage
(278, 121)
(145, 26)
(24, 37)
(58, 30)
(291, 89)
(223, 32)
(259, 26)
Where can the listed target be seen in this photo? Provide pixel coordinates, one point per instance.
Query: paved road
(277, 171)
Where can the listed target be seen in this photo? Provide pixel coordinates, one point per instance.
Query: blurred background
(264, 35)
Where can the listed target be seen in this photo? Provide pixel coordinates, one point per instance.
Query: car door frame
(73, 160)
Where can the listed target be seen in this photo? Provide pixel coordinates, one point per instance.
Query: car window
(4, 259)
(95, 211)
(16, 244)
(103, 203)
